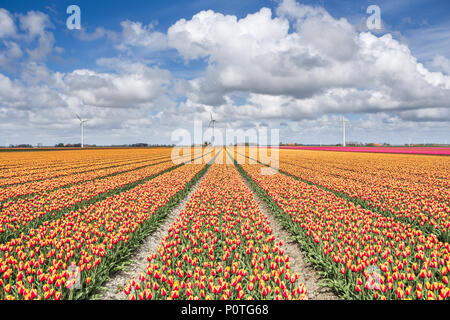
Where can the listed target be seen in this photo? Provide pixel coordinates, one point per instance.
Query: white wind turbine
(212, 122)
(343, 130)
(82, 126)
(335, 123)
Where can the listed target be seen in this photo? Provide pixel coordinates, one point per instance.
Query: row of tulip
(38, 173)
(83, 247)
(401, 150)
(220, 247)
(403, 192)
(417, 174)
(414, 189)
(364, 254)
(13, 163)
(30, 212)
(44, 186)
(41, 170)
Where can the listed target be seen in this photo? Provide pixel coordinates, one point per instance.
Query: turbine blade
(78, 117)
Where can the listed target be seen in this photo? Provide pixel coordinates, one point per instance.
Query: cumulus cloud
(99, 33)
(10, 91)
(42, 103)
(35, 24)
(430, 114)
(120, 104)
(297, 68)
(127, 94)
(7, 25)
(441, 63)
(307, 60)
(136, 34)
(131, 85)
(15, 95)
(35, 73)
(10, 54)
(11, 50)
(32, 40)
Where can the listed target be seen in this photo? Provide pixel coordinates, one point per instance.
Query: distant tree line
(70, 145)
(348, 144)
(21, 146)
(134, 145)
(146, 145)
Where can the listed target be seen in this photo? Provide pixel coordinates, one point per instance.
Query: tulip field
(412, 189)
(371, 225)
(365, 220)
(220, 247)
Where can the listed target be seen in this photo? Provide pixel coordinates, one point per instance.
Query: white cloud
(132, 84)
(35, 24)
(33, 38)
(136, 34)
(298, 67)
(97, 34)
(10, 91)
(45, 46)
(7, 25)
(133, 36)
(15, 95)
(430, 114)
(322, 64)
(441, 63)
(33, 73)
(11, 53)
(331, 37)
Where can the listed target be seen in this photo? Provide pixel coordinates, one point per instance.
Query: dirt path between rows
(308, 275)
(113, 289)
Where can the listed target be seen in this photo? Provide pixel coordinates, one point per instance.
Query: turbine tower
(212, 122)
(343, 130)
(82, 126)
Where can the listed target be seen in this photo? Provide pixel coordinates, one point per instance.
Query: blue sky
(139, 70)
(402, 17)
(109, 15)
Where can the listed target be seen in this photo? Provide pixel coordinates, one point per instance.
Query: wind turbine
(343, 130)
(212, 122)
(336, 124)
(82, 126)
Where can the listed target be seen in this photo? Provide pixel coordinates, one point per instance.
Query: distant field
(70, 148)
(406, 150)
